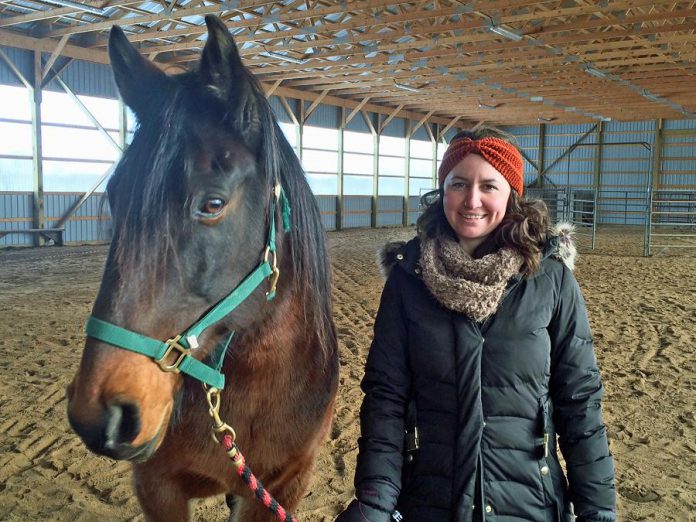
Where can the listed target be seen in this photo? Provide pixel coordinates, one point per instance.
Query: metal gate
(672, 221)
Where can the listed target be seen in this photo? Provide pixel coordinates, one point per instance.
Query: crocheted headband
(502, 155)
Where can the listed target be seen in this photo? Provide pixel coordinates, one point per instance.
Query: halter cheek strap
(175, 354)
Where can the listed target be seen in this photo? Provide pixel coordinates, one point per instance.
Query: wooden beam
(272, 88)
(54, 55)
(288, 109)
(357, 109)
(448, 127)
(391, 116)
(48, 45)
(368, 122)
(417, 126)
(314, 105)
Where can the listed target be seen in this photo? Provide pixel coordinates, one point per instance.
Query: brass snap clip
(212, 395)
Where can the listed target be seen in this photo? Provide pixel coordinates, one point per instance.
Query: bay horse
(208, 196)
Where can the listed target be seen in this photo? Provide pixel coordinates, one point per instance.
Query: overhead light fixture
(543, 119)
(505, 32)
(650, 96)
(536, 98)
(82, 7)
(405, 87)
(285, 57)
(489, 107)
(595, 72)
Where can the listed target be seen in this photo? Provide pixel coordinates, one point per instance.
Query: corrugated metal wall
(16, 210)
(558, 139)
(678, 155)
(91, 222)
(327, 208)
(395, 128)
(326, 116)
(357, 211)
(390, 211)
(279, 110)
(87, 79)
(22, 59)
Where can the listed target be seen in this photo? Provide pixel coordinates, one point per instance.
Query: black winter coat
(488, 401)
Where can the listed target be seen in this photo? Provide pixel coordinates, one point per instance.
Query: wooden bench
(51, 234)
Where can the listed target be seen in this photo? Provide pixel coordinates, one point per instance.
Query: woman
(482, 355)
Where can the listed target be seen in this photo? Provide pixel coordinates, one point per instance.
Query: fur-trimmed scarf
(461, 283)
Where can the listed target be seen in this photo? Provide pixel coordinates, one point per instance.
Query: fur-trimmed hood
(559, 245)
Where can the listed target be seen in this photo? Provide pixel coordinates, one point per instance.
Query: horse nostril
(123, 424)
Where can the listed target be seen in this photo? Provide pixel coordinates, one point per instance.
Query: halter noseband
(182, 345)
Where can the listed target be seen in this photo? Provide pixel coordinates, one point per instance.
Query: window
(320, 159)
(75, 152)
(421, 166)
(392, 166)
(16, 147)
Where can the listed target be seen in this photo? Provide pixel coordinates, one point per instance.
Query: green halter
(183, 345)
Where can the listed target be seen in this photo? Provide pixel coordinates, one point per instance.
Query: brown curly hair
(524, 227)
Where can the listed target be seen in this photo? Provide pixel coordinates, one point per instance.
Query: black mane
(148, 195)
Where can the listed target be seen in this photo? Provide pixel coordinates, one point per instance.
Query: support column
(656, 167)
(407, 173)
(375, 170)
(341, 126)
(38, 216)
(541, 145)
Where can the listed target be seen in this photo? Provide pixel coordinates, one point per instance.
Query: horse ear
(221, 68)
(138, 80)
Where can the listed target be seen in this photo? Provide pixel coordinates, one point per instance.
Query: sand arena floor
(643, 312)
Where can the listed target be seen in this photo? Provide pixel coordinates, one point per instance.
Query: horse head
(192, 203)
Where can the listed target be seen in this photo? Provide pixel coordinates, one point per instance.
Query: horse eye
(211, 206)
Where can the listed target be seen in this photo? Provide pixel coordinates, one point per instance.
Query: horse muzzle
(113, 431)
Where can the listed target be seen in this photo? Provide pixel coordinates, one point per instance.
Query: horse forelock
(149, 188)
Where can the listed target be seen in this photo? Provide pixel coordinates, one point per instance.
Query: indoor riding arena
(597, 95)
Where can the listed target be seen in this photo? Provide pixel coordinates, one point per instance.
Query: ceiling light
(405, 87)
(543, 119)
(536, 98)
(504, 32)
(285, 57)
(82, 7)
(487, 106)
(595, 72)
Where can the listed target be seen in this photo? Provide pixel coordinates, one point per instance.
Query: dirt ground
(643, 313)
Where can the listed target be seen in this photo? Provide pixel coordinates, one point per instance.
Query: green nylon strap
(135, 342)
(155, 348)
(232, 301)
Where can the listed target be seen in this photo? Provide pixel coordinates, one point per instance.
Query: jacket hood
(560, 245)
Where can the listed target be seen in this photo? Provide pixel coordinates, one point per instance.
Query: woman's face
(475, 199)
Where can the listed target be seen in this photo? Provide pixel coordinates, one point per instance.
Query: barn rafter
(504, 62)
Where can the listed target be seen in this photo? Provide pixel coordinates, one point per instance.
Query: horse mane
(147, 194)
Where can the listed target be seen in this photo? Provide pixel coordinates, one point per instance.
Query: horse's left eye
(211, 207)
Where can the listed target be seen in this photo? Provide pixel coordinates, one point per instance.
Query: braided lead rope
(255, 485)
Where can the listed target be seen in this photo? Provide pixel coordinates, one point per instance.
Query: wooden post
(341, 127)
(38, 217)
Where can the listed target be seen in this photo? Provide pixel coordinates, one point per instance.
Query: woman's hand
(359, 512)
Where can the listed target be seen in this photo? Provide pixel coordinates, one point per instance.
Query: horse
(208, 196)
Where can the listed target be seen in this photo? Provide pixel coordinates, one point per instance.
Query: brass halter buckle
(275, 274)
(173, 346)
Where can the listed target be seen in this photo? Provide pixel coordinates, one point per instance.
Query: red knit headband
(502, 155)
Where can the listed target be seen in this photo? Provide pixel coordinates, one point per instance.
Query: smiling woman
(482, 355)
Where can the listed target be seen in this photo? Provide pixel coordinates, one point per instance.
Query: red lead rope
(254, 484)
